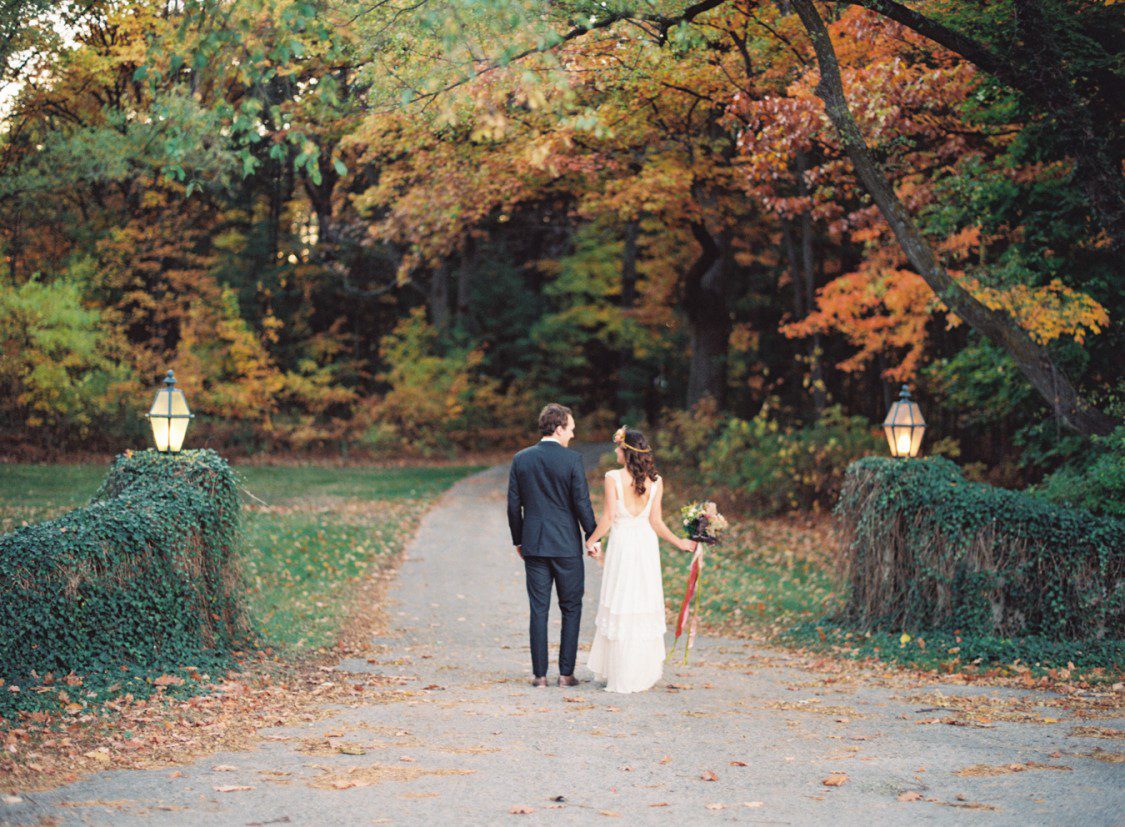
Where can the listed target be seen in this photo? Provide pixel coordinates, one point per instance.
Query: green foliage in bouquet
(144, 577)
(927, 549)
(703, 522)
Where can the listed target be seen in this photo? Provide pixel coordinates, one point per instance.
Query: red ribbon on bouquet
(687, 616)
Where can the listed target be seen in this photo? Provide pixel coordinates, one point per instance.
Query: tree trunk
(802, 273)
(439, 298)
(1032, 359)
(465, 286)
(793, 258)
(808, 271)
(625, 391)
(705, 301)
(320, 198)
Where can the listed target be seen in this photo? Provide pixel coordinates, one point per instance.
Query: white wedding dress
(628, 648)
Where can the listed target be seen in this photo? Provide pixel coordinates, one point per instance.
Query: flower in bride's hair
(619, 436)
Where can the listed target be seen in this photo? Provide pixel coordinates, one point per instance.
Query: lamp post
(169, 417)
(904, 426)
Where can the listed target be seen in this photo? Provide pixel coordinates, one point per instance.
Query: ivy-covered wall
(146, 575)
(927, 549)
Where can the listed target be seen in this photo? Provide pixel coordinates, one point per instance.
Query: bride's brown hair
(639, 461)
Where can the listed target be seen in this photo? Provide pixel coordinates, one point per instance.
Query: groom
(547, 500)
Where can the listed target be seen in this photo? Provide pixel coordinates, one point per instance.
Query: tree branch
(1043, 79)
(1032, 359)
(663, 23)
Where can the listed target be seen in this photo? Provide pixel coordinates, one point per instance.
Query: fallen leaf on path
(659, 804)
(836, 779)
(12, 799)
(667, 759)
(1004, 769)
(351, 749)
(910, 795)
(968, 805)
(716, 806)
(739, 764)
(609, 813)
(956, 722)
(1100, 754)
(752, 804)
(332, 779)
(115, 803)
(521, 810)
(709, 776)
(1096, 732)
(224, 768)
(231, 788)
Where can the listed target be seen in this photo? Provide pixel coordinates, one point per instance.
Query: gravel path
(472, 740)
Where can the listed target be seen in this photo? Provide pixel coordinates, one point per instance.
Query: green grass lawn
(765, 577)
(321, 531)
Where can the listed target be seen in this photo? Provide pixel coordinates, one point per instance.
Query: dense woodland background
(386, 228)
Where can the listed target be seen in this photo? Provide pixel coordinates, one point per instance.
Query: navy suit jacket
(548, 500)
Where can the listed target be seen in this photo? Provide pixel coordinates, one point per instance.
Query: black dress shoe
(539, 682)
(568, 680)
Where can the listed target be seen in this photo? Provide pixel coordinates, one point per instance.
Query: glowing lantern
(904, 426)
(169, 417)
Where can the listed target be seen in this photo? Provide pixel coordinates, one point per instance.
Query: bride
(628, 648)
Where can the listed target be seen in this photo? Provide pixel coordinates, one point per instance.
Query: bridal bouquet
(703, 522)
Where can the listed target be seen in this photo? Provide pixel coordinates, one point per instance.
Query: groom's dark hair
(553, 416)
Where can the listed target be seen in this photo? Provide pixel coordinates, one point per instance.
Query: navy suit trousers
(569, 577)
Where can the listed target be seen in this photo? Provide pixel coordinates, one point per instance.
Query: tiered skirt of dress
(628, 649)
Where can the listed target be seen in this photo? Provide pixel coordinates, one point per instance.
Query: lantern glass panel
(169, 416)
(904, 427)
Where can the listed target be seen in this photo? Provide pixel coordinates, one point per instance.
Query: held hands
(594, 550)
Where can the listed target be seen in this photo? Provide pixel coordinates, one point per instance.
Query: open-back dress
(628, 648)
